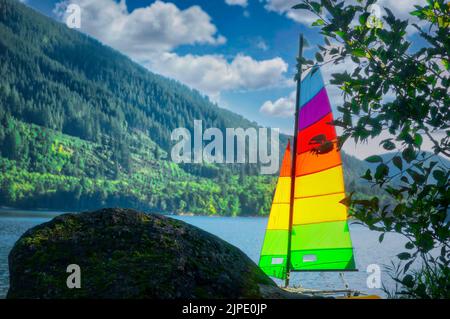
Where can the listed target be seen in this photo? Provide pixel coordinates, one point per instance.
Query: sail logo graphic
(240, 145)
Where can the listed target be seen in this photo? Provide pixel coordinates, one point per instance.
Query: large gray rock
(126, 254)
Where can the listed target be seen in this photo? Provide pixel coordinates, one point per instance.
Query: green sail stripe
(275, 242)
(277, 269)
(321, 236)
(323, 259)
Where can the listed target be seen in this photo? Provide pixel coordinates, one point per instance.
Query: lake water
(246, 233)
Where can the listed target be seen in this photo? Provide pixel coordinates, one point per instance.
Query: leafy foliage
(402, 91)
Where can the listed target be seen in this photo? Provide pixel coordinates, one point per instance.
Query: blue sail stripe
(311, 86)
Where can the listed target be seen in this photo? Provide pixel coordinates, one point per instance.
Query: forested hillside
(82, 126)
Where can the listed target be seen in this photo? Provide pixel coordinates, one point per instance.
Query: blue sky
(241, 53)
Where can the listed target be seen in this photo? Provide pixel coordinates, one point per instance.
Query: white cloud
(401, 8)
(242, 3)
(212, 74)
(159, 27)
(283, 107)
(285, 7)
(150, 34)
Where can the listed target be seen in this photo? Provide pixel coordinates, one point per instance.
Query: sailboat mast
(294, 158)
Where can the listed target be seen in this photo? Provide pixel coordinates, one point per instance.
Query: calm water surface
(246, 233)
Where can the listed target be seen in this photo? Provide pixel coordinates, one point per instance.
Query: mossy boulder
(126, 254)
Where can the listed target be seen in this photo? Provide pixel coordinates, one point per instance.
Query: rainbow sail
(318, 234)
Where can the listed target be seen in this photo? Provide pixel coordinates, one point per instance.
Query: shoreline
(4, 209)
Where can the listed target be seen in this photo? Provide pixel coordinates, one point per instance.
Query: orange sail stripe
(286, 165)
(309, 163)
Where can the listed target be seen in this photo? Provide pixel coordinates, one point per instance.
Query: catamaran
(307, 228)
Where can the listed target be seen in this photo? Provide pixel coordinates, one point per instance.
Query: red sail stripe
(305, 140)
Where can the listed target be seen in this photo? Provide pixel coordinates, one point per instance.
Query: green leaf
(404, 256)
(374, 159)
(301, 6)
(439, 176)
(319, 57)
(409, 245)
(418, 139)
(408, 264)
(425, 241)
(380, 239)
(397, 160)
(359, 53)
(398, 209)
(341, 34)
(408, 154)
(367, 175)
(318, 22)
(388, 145)
(346, 201)
(446, 64)
(417, 177)
(316, 7)
(363, 19)
(408, 281)
(416, 13)
(382, 171)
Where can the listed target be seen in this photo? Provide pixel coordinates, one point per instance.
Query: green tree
(12, 145)
(405, 92)
(7, 192)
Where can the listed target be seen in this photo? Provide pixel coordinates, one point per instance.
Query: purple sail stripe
(314, 110)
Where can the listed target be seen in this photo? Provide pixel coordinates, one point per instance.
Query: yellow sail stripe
(283, 190)
(330, 181)
(279, 212)
(318, 209)
(279, 217)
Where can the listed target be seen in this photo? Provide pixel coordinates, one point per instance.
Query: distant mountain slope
(82, 126)
(62, 79)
